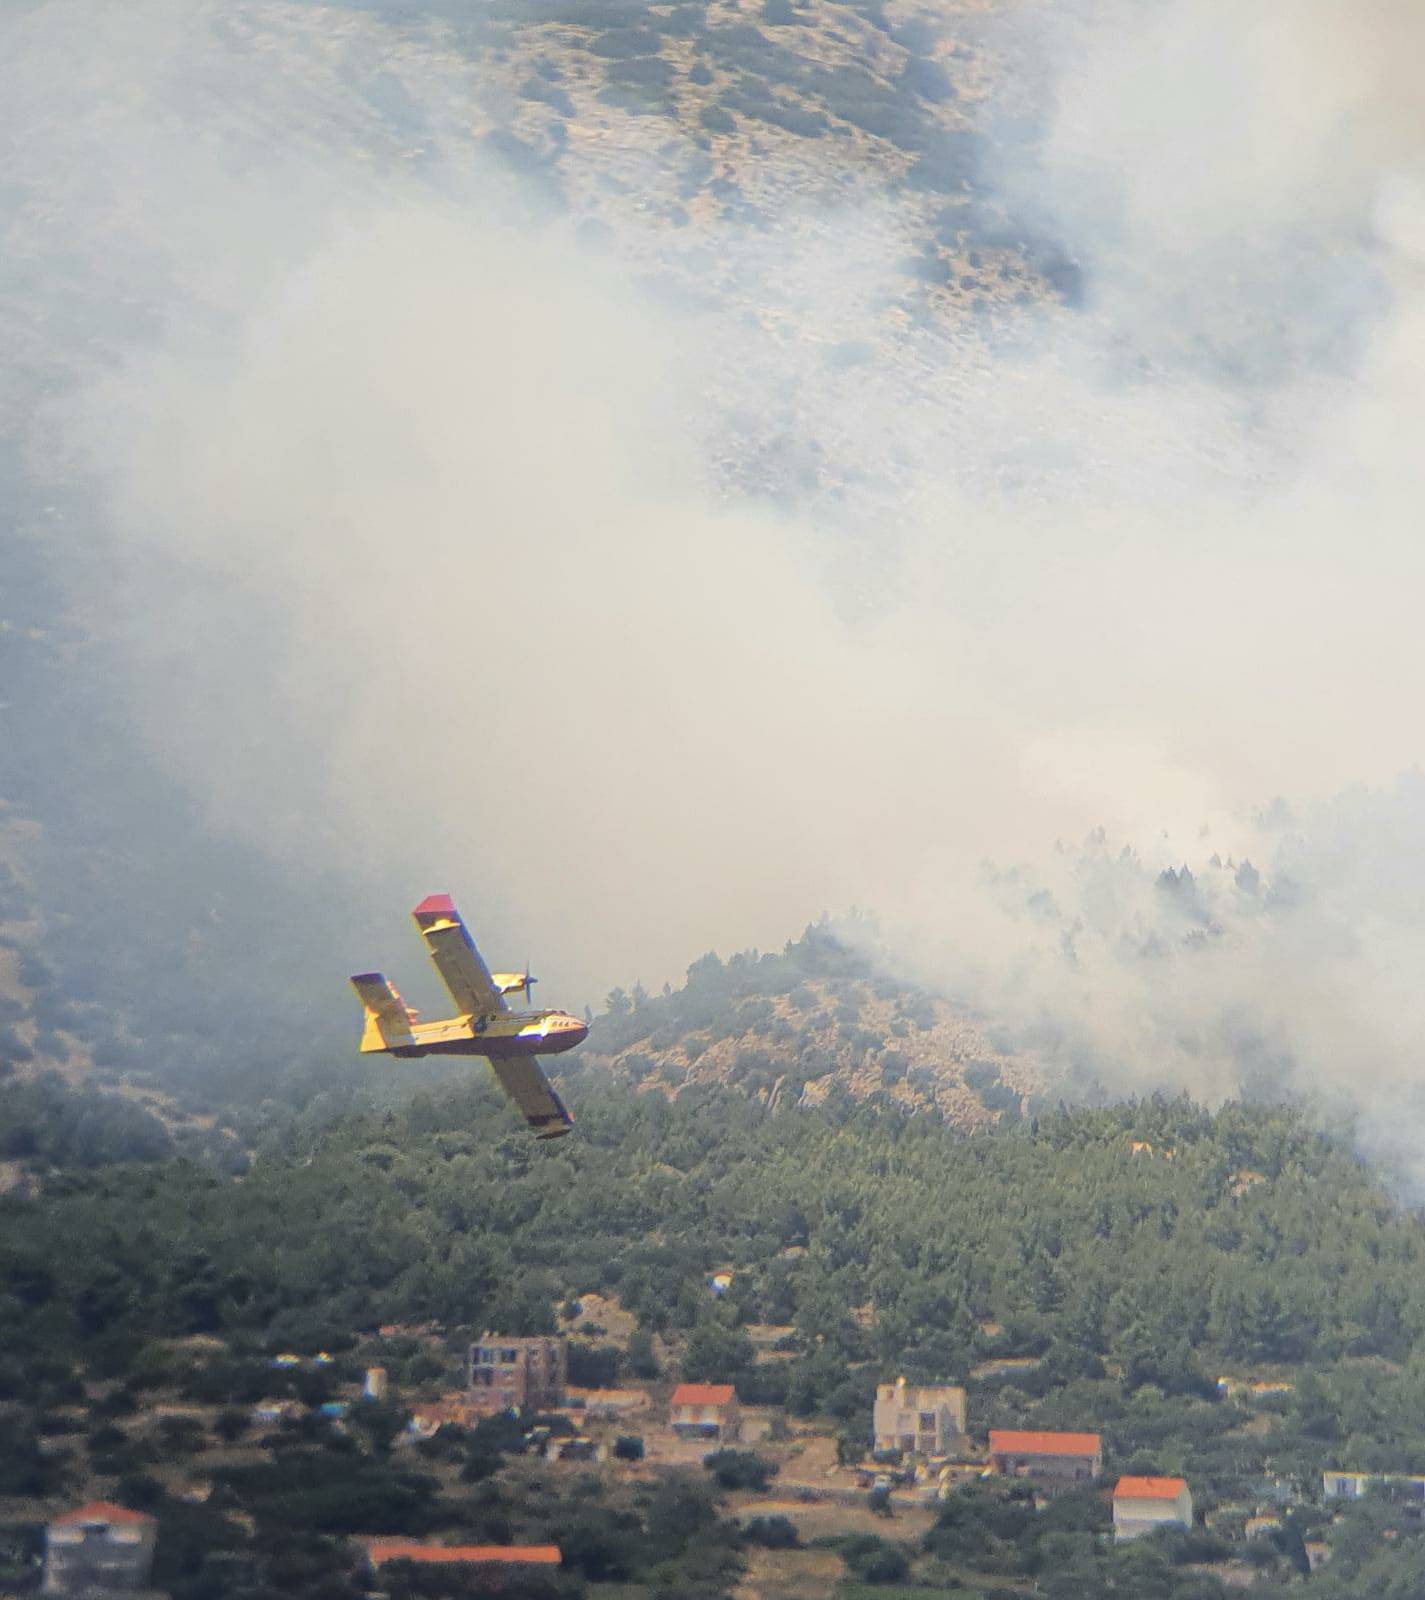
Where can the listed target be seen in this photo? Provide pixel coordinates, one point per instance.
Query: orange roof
(1149, 1488)
(102, 1511)
(703, 1394)
(1008, 1442)
(528, 1555)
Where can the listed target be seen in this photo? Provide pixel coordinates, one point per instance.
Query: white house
(1142, 1504)
(705, 1411)
(100, 1548)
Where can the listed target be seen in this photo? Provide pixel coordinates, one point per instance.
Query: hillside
(1097, 1269)
(815, 186)
(1007, 381)
(789, 109)
(802, 1026)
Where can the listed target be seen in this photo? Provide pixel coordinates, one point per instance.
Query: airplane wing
(523, 1079)
(460, 964)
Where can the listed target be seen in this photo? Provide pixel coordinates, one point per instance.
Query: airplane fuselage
(514, 1033)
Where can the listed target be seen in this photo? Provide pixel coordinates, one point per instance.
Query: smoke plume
(416, 553)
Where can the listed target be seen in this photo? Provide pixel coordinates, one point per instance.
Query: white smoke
(421, 569)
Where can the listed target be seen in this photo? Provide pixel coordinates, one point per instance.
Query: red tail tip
(435, 905)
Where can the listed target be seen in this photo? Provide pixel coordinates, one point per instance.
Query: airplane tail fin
(388, 1019)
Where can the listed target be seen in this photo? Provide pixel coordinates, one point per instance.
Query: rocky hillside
(808, 1024)
(785, 107)
(814, 182)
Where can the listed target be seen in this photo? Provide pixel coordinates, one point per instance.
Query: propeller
(529, 982)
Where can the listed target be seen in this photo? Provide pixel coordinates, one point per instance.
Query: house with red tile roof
(495, 1557)
(99, 1548)
(705, 1411)
(1050, 1460)
(1142, 1504)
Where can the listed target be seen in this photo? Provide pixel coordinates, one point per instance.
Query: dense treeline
(886, 1244)
(45, 1123)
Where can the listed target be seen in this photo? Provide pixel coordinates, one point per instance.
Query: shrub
(230, 1424)
(645, 72)
(766, 1385)
(181, 1435)
(621, 43)
(773, 1533)
(947, 165)
(740, 1469)
(928, 79)
(637, 99)
(593, 1366)
(516, 152)
(549, 94)
(869, 1558)
(138, 1491)
(151, 1368)
(885, 1566)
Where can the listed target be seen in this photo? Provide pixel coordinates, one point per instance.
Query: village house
(503, 1374)
(99, 1548)
(1345, 1485)
(488, 1564)
(705, 1411)
(1050, 1460)
(1142, 1504)
(919, 1419)
(1403, 1488)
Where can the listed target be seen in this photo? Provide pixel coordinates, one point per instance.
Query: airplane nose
(563, 1032)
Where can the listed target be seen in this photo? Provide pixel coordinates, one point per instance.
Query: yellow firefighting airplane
(512, 1040)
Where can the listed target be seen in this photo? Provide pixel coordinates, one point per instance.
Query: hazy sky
(419, 565)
